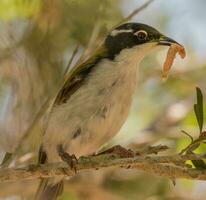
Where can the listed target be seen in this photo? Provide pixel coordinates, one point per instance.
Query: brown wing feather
(73, 83)
(78, 76)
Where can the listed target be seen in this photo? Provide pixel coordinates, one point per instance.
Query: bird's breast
(107, 98)
(95, 112)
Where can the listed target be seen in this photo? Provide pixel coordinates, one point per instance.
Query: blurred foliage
(35, 50)
(13, 9)
(68, 196)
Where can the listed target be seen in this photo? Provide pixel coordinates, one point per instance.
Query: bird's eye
(142, 35)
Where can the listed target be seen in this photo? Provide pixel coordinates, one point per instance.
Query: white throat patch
(116, 32)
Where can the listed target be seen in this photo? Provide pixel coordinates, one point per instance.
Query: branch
(71, 59)
(165, 166)
(136, 11)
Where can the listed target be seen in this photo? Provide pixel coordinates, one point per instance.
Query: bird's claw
(71, 160)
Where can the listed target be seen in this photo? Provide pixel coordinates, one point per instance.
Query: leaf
(198, 108)
(199, 164)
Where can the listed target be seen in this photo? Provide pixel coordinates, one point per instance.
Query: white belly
(93, 114)
(102, 124)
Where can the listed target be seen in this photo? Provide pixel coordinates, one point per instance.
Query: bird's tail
(47, 191)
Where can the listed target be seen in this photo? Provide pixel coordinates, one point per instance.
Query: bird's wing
(78, 75)
(74, 81)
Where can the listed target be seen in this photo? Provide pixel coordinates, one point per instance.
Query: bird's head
(134, 36)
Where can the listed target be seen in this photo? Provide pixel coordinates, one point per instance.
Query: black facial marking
(124, 36)
(77, 133)
(121, 41)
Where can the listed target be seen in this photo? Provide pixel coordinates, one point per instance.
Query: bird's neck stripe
(116, 32)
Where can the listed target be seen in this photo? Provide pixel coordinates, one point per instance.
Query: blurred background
(37, 39)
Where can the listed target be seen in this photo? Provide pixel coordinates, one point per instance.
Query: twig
(152, 150)
(93, 37)
(157, 165)
(192, 146)
(136, 11)
(71, 59)
(188, 135)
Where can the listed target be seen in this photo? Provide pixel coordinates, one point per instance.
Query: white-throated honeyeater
(94, 103)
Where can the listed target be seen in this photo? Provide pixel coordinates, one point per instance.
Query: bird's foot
(120, 151)
(71, 160)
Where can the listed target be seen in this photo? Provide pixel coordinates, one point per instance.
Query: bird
(95, 100)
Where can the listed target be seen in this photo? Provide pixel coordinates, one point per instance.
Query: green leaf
(199, 164)
(198, 108)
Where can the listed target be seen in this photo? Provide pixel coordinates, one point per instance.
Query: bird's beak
(166, 41)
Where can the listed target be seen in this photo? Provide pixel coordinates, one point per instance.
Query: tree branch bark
(172, 167)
